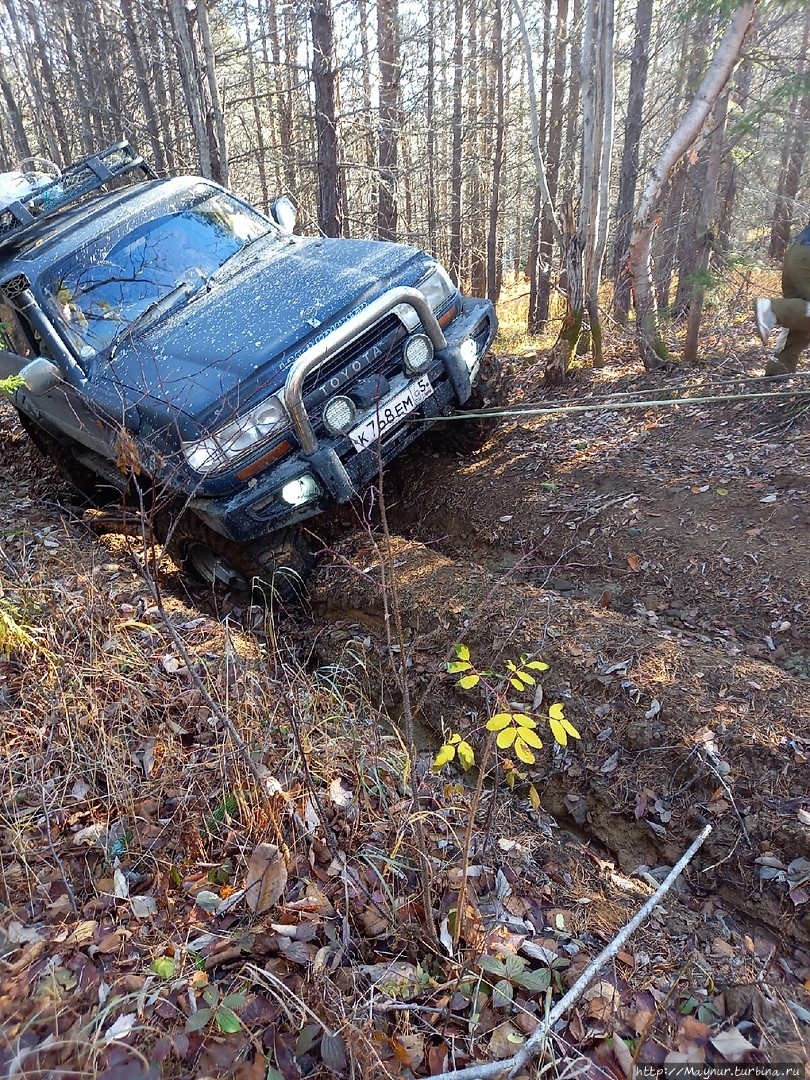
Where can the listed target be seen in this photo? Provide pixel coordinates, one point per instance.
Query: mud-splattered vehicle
(172, 339)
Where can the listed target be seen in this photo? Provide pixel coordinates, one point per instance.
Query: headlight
(339, 414)
(418, 354)
(436, 287)
(217, 451)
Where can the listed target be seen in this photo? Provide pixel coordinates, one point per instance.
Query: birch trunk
(651, 345)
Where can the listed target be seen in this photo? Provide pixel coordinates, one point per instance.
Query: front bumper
(339, 470)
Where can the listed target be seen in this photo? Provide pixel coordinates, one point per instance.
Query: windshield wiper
(160, 307)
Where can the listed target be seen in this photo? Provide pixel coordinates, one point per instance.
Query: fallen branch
(511, 1066)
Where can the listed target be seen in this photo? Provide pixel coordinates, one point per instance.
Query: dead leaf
(623, 1056)
(505, 1041)
(266, 878)
(634, 562)
(409, 1050)
(732, 1044)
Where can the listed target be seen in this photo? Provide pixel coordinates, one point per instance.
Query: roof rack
(78, 179)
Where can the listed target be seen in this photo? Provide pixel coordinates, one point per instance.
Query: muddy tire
(465, 437)
(85, 486)
(271, 570)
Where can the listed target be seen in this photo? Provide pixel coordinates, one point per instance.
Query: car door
(64, 410)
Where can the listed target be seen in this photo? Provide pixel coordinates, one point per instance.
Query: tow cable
(571, 405)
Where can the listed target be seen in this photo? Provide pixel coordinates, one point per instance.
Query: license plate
(390, 412)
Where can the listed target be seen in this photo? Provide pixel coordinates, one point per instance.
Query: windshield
(97, 293)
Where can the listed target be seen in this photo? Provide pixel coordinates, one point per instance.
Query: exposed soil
(655, 558)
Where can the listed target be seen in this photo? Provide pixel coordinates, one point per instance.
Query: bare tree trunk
(430, 106)
(628, 172)
(330, 193)
(188, 76)
(261, 147)
(541, 179)
(794, 148)
(390, 67)
(46, 74)
(599, 219)
(705, 241)
(214, 118)
(651, 345)
(545, 254)
(19, 139)
(493, 282)
(131, 31)
(455, 168)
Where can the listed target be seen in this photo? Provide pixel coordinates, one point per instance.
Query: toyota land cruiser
(172, 340)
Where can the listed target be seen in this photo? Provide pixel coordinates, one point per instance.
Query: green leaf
(227, 1021)
(517, 684)
(556, 711)
(511, 666)
(515, 965)
(499, 721)
(524, 720)
(506, 738)
(534, 797)
(466, 755)
(454, 740)
(493, 965)
(333, 1053)
(462, 652)
(458, 665)
(537, 665)
(467, 682)
(523, 752)
(198, 1019)
(234, 1001)
(446, 753)
(309, 1036)
(211, 995)
(163, 966)
(502, 994)
(526, 678)
(534, 981)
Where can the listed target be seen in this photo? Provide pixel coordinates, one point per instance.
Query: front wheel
(274, 568)
(465, 436)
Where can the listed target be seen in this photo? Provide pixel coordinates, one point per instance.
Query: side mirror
(284, 214)
(40, 375)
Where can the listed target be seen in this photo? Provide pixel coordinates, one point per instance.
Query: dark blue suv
(173, 342)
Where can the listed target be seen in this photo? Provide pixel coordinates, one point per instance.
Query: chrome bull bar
(321, 351)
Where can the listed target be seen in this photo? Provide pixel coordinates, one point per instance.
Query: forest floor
(161, 745)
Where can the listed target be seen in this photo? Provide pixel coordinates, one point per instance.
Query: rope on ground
(536, 1042)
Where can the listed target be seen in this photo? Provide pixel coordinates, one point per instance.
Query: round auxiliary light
(339, 414)
(418, 354)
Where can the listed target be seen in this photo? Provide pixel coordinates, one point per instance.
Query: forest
(521, 787)
(516, 142)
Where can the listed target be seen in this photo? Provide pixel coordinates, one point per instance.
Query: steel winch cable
(540, 408)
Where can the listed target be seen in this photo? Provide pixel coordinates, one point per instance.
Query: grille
(377, 349)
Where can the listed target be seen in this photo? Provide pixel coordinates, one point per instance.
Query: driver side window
(13, 335)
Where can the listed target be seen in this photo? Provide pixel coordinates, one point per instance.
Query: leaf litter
(165, 916)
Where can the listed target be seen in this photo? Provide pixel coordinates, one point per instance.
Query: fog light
(339, 414)
(469, 352)
(299, 491)
(418, 354)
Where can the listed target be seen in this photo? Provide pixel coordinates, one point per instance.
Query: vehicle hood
(229, 347)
